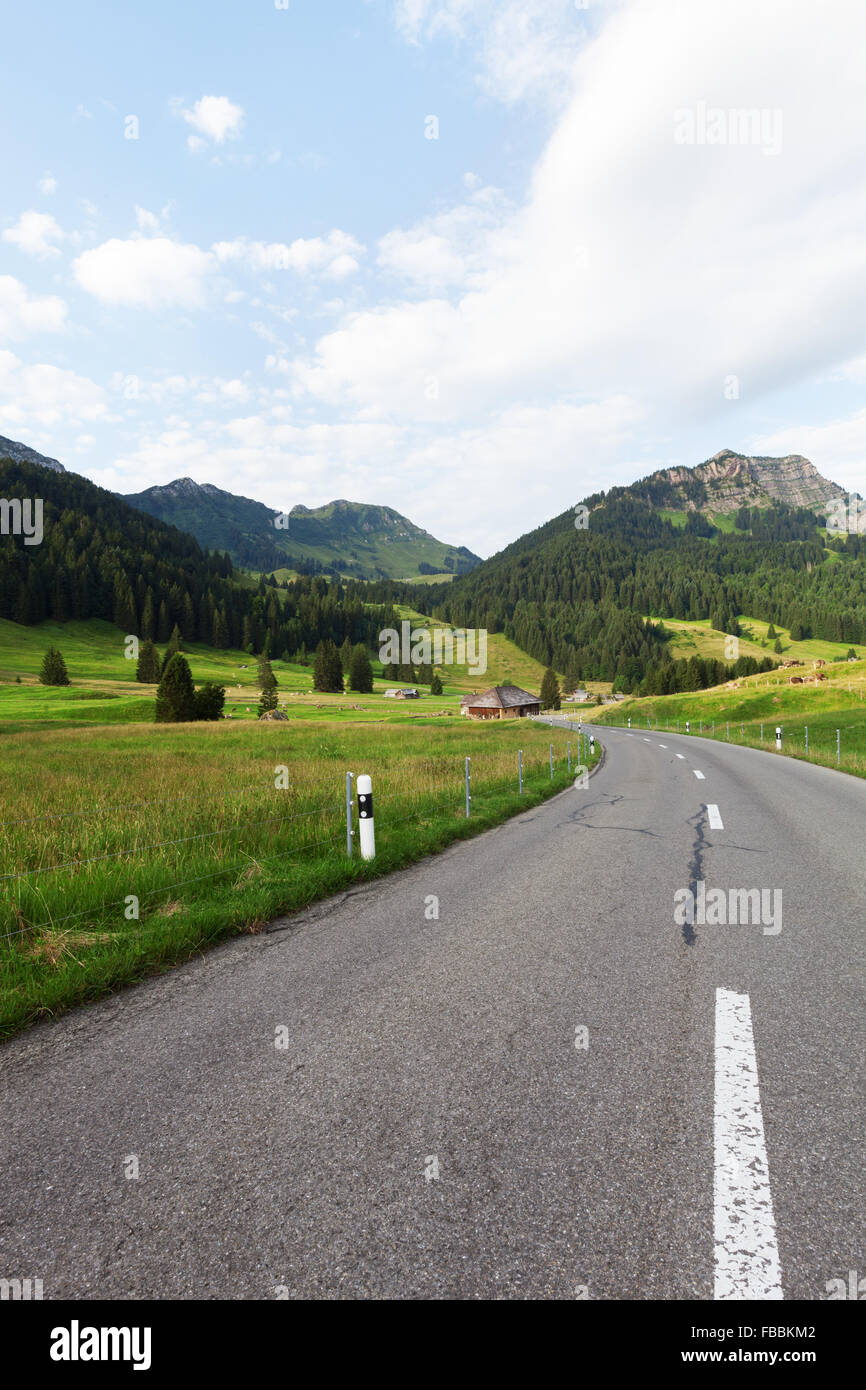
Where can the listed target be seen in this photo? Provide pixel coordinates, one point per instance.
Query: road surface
(556, 1088)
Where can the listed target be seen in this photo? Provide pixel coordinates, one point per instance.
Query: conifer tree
(361, 671)
(550, 692)
(147, 670)
(53, 670)
(175, 696)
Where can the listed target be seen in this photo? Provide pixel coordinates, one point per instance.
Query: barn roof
(501, 697)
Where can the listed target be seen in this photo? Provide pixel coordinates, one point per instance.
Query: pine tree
(267, 679)
(771, 632)
(346, 653)
(361, 671)
(175, 696)
(163, 628)
(777, 645)
(328, 668)
(53, 670)
(436, 684)
(550, 693)
(147, 670)
(267, 701)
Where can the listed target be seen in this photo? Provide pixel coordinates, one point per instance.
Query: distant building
(501, 702)
(409, 694)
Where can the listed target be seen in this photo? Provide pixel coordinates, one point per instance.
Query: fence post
(468, 797)
(520, 772)
(838, 748)
(349, 831)
(365, 817)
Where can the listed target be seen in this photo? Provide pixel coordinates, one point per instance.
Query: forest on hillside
(100, 558)
(576, 599)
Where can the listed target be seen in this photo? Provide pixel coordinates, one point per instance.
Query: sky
(471, 259)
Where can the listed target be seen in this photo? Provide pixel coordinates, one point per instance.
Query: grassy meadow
(104, 690)
(126, 846)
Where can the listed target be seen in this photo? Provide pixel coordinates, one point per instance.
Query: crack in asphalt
(696, 867)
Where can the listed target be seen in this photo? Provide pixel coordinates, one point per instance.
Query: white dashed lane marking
(664, 746)
(699, 775)
(715, 818)
(681, 755)
(746, 1252)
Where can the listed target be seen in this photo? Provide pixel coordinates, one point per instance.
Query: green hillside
(355, 539)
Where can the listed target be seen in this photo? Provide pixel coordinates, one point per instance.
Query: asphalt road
(369, 1101)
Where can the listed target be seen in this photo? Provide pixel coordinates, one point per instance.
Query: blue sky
(282, 285)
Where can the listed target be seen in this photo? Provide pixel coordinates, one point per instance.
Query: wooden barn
(501, 702)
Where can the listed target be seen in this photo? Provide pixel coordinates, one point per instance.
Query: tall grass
(185, 826)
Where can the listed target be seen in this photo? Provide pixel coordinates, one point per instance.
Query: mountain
(22, 453)
(587, 599)
(101, 558)
(729, 481)
(355, 539)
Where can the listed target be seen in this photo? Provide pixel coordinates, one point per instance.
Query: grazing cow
(817, 664)
(795, 680)
(820, 676)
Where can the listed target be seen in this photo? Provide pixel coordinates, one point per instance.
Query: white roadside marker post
(568, 751)
(468, 797)
(778, 738)
(365, 817)
(807, 740)
(838, 749)
(688, 726)
(520, 772)
(591, 744)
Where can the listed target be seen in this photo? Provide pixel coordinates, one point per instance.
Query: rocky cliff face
(22, 453)
(734, 480)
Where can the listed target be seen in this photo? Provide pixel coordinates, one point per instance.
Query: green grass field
(104, 690)
(699, 639)
(127, 848)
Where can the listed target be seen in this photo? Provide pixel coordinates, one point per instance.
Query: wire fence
(99, 889)
(841, 745)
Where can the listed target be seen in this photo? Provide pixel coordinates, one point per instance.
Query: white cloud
(213, 118)
(525, 49)
(449, 249)
(47, 184)
(334, 255)
(42, 395)
(35, 233)
(22, 315)
(146, 272)
(150, 222)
